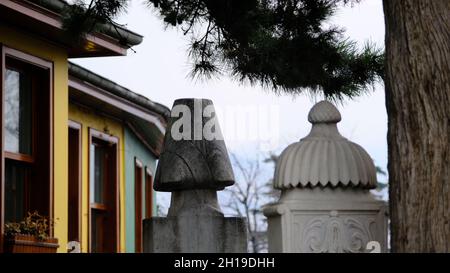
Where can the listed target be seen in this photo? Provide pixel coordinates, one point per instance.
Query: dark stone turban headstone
(194, 165)
(193, 162)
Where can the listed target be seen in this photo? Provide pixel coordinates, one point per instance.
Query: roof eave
(45, 20)
(139, 113)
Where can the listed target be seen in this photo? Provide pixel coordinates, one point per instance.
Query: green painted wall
(134, 149)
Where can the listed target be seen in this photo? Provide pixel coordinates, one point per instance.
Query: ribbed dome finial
(324, 157)
(324, 112)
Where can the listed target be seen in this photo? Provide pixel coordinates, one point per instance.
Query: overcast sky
(159, 70)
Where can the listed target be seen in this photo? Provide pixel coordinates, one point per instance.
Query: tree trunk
(418, 107)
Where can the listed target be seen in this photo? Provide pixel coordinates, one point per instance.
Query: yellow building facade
(89, 120)
(38, 171)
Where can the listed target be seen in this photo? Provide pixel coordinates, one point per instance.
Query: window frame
(29, 158)
(138, 205)
(73, 125)
(148, 193)
(96, 134)
(20, 56)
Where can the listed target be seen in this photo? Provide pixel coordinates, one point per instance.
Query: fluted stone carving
(194, 164)
(324, 157)
(325, 204)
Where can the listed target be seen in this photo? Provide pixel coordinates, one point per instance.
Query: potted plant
(30, 235)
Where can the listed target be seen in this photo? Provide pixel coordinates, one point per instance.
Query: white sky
(159, 70)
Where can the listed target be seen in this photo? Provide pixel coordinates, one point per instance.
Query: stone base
(195, 234)
(326, 220)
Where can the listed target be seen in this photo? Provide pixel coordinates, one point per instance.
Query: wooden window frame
(73, 125)
(138, 207)
(18, 156)
(148, 193)
(93, 133)
(7, 52)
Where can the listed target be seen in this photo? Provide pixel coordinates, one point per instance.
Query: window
(103, 193)
(143, 198)
(27, 130)
(74, 200)
(18, 135)
(148, 193)
(138, 173)
(18, 109)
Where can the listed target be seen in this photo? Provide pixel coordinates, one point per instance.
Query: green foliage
(81, 18)
(34, 224)
(281, 44)
(381, 185)
(284, 45)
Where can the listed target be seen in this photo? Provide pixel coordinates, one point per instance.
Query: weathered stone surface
(195, 234)
(195, 223)
(195, 162)
(193, 168)
(194, 202)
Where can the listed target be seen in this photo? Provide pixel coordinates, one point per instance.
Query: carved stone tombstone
(194, 165)
(325, 203)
